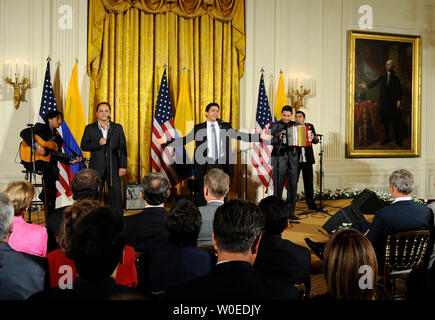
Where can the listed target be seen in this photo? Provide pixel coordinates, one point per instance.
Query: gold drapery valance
(130, 41)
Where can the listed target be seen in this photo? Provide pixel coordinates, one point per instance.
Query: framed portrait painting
(384, 86)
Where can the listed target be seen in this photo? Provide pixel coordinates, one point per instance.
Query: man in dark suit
(279, 258)
(180, 260)
(403, 215)
(106, 142)
(213, 144)
(306, 161)
(284, 160)
(236, 238)
(146, 230)
(216, 187)
(48, 132)
(21, 274)
(390, 95)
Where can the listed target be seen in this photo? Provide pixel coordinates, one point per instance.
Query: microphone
(320, 135)
(30, 125)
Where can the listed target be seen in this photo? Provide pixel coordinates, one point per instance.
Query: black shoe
(293, 218)
(312, 206)
(41, 196)
(316, 247)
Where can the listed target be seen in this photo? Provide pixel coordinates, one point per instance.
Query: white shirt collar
(402, 199)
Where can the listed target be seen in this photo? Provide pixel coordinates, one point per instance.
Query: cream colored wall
(289, 35)
(311, 36)
(29, 30)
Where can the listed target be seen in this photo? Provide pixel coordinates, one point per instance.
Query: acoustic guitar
(50, 150)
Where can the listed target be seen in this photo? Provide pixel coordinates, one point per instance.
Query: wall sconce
(21, 84)
(300, 86)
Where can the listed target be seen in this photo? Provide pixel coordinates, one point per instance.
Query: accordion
(298, 136)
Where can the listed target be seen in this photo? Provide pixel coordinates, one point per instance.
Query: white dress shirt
(104, 131)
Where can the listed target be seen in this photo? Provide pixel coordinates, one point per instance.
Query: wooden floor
(309, 226)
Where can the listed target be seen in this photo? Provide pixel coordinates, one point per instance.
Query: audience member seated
(279, 258)
(146, 230)
(216, 187)
(237, 229)
(350, 268)
(126, 274)
(97, 247)
(21, 274)
(26, 237)
(86, 184)
(180, 260)
(403, 215)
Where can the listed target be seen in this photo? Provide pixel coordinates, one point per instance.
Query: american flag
(48, 103)
(262, 152)
(162, 157)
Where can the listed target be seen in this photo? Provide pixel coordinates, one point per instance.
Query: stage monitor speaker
(351, 214)
(368, 202)
(133, 200)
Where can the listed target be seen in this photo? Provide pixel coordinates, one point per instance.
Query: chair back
(405, 250)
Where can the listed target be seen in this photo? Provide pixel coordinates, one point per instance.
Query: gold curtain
(130, 41)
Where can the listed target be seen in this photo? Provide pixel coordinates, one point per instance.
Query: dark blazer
(388, 94)
(309, 154)
(275, 129)
(283, 260)
(21, 274)
(232, 281)
(199, 135)
(100, 154)
(146, 230)
(54, 221)
(399, 217)
(44, 131)
(171, 265)
(89, 290)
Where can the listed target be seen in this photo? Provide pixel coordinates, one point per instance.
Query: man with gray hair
(237, 230)
(403, 215)
(216, 187)
(21, 274)
(146, 230)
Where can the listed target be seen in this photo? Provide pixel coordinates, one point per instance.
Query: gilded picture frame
(384, 89)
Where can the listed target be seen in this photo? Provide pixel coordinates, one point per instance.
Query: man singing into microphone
(106, 142)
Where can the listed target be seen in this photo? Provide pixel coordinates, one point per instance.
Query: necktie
(388, 79)
(214, 142)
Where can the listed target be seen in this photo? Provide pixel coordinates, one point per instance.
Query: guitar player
(48, 132)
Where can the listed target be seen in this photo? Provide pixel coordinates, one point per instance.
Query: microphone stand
(321, 208)
(32, 139)
(109, 136)
(245, 151)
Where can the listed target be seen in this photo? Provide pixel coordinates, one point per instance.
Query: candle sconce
(21, 84)
(300, 86)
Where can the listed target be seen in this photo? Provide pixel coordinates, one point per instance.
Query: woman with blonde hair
(25, 237)
(351, 268)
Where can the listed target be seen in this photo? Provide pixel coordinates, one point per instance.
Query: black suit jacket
(199, 135)
(399, 217)
(44, 131)
(389, 94)
(100, 154)
(171, 265)
(232, 281)
(21, 274)
(283, 260)
(146, 230)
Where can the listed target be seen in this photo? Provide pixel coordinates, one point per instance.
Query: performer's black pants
(115, 195)
(50, 173)
(307, 175)
(286, 166)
